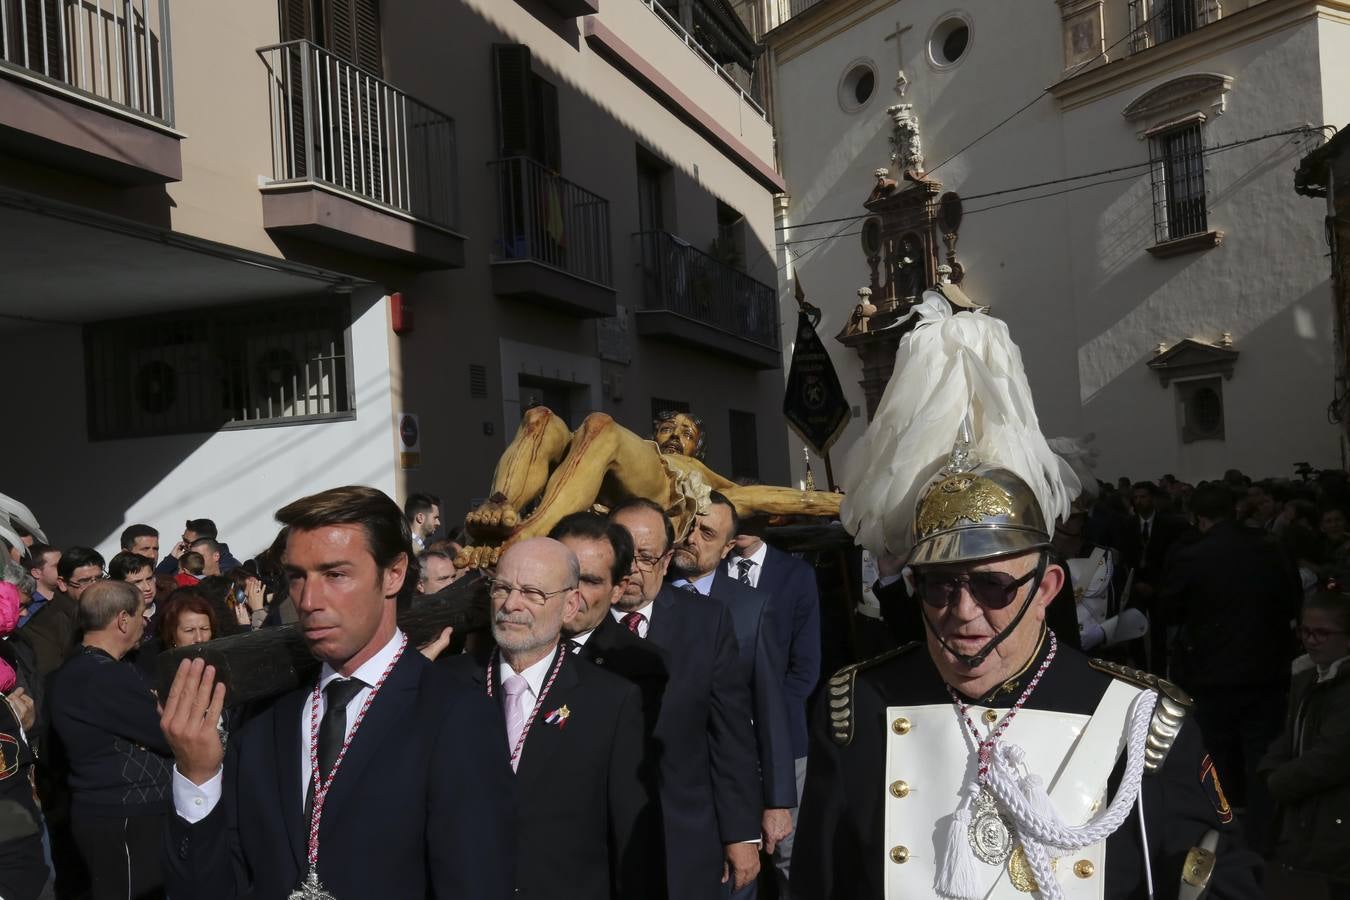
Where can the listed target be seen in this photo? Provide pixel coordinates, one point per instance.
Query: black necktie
(744, 566)
(1143, 530)
(688, 586)
(333, 727)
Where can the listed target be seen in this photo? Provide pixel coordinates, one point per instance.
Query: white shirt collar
(581, 639)
(534, 676)
(702, 585)
(1330, 671)
(370, 670)
(646, 611)
(757, 558)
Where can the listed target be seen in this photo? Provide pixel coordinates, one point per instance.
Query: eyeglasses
(85, 582)
(648, 564)
(991, 590)
(499, 590)
(1319, 634)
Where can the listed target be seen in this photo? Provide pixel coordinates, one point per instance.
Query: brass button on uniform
(899, 789)
(899, 854)
(900, 725)
(990, 716)
(1084, 868)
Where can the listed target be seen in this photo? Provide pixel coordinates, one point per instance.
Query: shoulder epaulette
(1173, 705)
(839, 692)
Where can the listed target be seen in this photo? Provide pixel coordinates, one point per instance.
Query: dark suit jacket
(586, 826)
(1233, 593)
(612, 646)
(796, 604)
(423, 806)
(764, 666)
(1149, 560)
(709, 784)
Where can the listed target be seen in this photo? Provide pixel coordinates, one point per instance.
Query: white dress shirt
(581, 639)
(644, 624)
(194, 802)
(734, 568)
(703, 584)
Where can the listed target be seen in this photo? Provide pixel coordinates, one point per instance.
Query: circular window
(858, 85)
(949, 41)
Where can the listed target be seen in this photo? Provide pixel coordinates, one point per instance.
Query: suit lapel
(389, 715)
(662, 627)
(287, 730)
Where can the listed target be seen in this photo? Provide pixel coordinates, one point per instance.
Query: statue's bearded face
(678, 434)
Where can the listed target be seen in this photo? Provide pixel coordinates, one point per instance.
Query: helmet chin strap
(974, 661)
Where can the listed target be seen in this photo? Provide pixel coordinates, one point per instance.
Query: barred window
(1201, 409)
(215, 368)
(1178, 158)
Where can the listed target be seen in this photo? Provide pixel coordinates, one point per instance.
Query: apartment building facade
(1120, 173)
(259, 249)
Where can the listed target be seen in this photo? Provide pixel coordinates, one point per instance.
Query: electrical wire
(1015, 113)
(1207, 151)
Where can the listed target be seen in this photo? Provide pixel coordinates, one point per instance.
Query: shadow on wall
(86, 492)
(1268, 423)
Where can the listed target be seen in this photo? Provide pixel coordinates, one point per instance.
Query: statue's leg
(765, 499)
(521, 474)
(600, 447)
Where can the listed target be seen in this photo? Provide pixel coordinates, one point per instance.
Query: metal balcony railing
(680, 279)
(1154, 22)
(115, 51)
(542, 216)
(692, 43)
(336, 124)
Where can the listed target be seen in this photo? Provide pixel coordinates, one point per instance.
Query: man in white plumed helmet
(993, 761)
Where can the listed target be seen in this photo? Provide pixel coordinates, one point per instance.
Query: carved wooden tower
(901, 240)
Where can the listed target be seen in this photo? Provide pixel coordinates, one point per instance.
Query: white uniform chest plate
(930, 758)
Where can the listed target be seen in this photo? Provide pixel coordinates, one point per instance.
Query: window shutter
(547, 147)
(366, 36)
(511, 64)
(297, 23)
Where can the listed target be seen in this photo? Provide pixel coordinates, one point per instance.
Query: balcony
(1154, 22)
(358, 164)
(691, 297)
(553, 243)
(87, 86)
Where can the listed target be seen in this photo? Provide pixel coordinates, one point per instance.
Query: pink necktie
(514, 687)
(633, 620)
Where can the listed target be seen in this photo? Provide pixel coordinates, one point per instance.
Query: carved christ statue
(604, 463)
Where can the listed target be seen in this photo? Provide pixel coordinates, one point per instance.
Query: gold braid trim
(839, 693)
(1168, 715)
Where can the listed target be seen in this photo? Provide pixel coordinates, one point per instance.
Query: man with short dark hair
(423, 512)
(193, 530)
(51, 633)
(435, 570)
(710, 794)
(1229, 595)
(42, 564)
(697, 565)
(103, 714)
(139, 572)
(791, 585)
(422, 796)
(604, 553)
(211, 553)
(141, 540)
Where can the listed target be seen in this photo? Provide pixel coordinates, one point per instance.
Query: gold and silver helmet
(967, 516)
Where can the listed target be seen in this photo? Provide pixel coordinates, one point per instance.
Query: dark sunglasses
(991, 590)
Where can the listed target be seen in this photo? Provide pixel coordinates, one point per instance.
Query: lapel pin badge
(558, 716)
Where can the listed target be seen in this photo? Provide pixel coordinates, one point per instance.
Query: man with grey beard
(569, 726)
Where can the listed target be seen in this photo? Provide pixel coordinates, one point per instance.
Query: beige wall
(605, 116)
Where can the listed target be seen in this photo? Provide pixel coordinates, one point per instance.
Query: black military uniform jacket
(839, 852)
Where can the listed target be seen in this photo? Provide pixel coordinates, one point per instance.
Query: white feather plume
(947, 367)
(14, 511)
(1082, 458)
